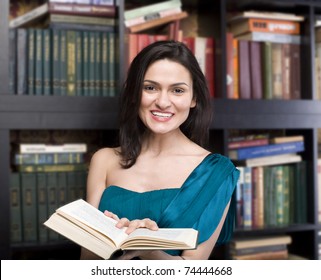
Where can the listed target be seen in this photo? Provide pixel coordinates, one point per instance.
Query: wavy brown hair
(196, 126)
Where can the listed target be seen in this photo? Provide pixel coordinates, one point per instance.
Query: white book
(270, 37)
(269, 160)
(90, 228)
(43, 148)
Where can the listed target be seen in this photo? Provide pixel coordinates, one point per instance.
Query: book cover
(267, 150)
(39, 62)
(85, 47)
(48, 148)
(52, 200)
(63, 62)
(229, 66)
(71, 63)
(286, 72)
(87, 226)
(31, 168)
(257, 197)
(31, 60)
(264, 15)
(22, 61)
(267, 70)
(277, 74)
(83, 19)
(252, 242)
(295, 71)
(56, 51)
(47, 62)
(112, 64)
(79, 67)
(247, 197)
(236, 82)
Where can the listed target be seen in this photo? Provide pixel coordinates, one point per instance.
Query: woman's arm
(96, 184)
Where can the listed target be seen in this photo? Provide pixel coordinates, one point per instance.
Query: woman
(161, 175)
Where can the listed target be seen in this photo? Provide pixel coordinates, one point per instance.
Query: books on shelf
(270, 37)
(90, 228)
(286, 139)
(260, 248)
(266, 150)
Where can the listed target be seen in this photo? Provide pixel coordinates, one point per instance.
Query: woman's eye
(178, 91)
(149, 88)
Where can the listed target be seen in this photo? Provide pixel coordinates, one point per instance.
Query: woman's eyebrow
(175, 84)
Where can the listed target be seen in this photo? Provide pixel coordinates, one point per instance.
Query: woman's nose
(163, 100)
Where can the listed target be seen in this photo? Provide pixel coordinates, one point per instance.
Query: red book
(229, 66)
(209, 65)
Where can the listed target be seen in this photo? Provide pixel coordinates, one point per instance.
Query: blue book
(266, 150)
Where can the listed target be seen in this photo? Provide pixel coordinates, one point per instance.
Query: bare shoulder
(105, 156)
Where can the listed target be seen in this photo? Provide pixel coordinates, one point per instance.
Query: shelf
(64, 112)
(57, 112)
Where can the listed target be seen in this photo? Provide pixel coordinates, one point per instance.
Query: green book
(267, 177)
(63, 62)
(91, 65)
(42, 206)
(71, 62)
(61, 191)
(267, 70)
(22, 61)
(31, 61)
(56, 62)
(279, 194)
(79, 63)
(47, 62)
(300, 198)
(98, 63)
(52, 199)
(104, 64)
(15, 209)
(39, 63)
(85, 63)
(112, 64)
(286, 192)
(71, 186)
(81, 182)
(29, 207)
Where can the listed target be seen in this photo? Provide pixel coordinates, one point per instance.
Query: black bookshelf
(63, 112)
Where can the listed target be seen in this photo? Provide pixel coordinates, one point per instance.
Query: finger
(134, 224)
(111, 215)
(150, 224)
(123, 222)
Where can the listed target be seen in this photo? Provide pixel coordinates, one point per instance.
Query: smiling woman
(162, 175)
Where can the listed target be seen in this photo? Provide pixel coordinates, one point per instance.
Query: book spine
(49, 158)
(236, 94)
(42, 206)
(112, 83)
(247, 197)
(79, 63)
(32, 168)
(104, 64)
(22, 61)
(42, 148)
(244, 69)
(47, 62)
(277, 75)
(85, 63)
(82, 9)
(98, 63)
(31, 61)
(286, 72)
(274, 26)
(256, 70)
(82, 19)
(52, 199)
(71, 63)
(279, 186)
(267, 70)
(152, 16)
(248, 143)
(91, 67)
(152, 8)
(63, 62)
(56, 62)
(268, 150)
(239, 198)
(12, 61)
(229, 66)
(29, 207)
(295, 71)
(15, 209)
(39, 63)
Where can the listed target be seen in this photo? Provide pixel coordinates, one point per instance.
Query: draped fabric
(198, 203)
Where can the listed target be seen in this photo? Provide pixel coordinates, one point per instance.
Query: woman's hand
(132, 225)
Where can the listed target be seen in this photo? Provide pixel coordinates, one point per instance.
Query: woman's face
(167, 96)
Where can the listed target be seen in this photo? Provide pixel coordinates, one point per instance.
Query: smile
(162, 114)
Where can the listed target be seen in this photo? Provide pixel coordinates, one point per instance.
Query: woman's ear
(193, 103)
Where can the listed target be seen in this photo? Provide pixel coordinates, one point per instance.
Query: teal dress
(198, 203)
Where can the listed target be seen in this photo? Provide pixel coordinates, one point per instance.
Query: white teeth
(162, 115)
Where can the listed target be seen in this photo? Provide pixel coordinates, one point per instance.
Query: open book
(90, 228)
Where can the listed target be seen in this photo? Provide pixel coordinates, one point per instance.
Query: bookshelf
(100, 113)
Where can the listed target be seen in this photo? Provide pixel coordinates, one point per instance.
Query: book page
(172, 237)
(87, 214)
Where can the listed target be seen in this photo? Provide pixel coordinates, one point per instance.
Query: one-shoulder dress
(199, 203)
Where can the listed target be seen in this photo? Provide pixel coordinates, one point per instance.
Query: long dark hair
(131, 132)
